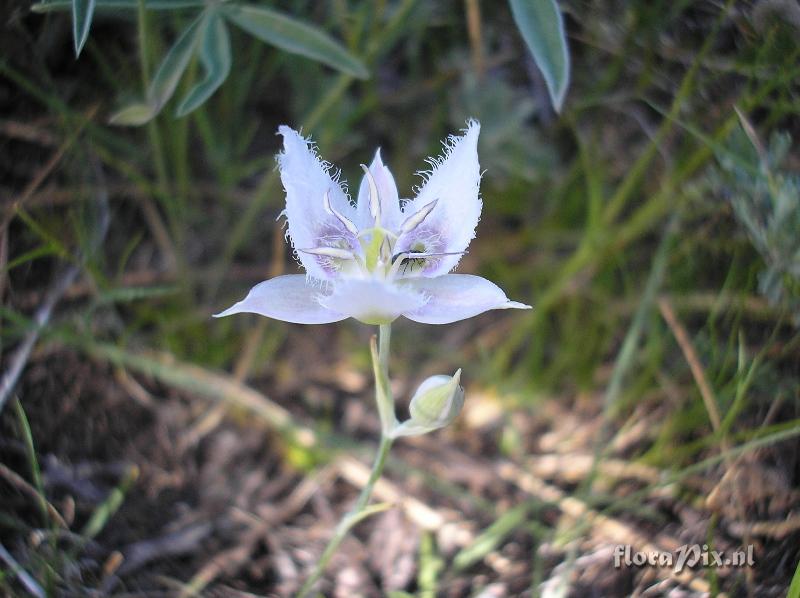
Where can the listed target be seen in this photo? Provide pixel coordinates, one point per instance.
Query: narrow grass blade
(794, 588)
(110, 505)
(367, 512)
(82, 12)
(41, 251)
(296, 37)
(542, 28)
(215, 54)
(626, 358)
(431, 565)
(491, 537)
(33, 462)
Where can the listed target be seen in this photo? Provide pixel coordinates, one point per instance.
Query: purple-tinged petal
(372, 301)
(291, 298)
(454, 181)
(306, 179)
(391, 217)
(455, 297)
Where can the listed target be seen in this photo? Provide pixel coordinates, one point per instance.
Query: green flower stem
(385, 403)
(383, 391)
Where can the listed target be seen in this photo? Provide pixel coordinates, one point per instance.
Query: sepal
(437, 402)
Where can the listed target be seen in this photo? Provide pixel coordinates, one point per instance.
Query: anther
(334, 252)
(374, 200)
(418, 217)
(326, 203)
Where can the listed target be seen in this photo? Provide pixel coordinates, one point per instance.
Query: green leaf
(40, 251)
(133, 115)
(166, 78)
(215, 54)
(53, 5)
(296, 37)
(174, 65)
(542, 28)
(82, 11)
(794, 588)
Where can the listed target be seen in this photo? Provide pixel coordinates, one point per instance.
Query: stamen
(334, 252)
(374, 200)
(417, 217)
(413, 255)
(326, 203)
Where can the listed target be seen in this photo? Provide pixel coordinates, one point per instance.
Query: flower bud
(436, 403)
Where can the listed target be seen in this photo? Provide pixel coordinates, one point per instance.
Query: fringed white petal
(454, 181)
(455, 297)
(306, 179)
(291, 298)
(387, 192)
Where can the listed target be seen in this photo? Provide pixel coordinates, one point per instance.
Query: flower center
(370, 252)
(410, 265)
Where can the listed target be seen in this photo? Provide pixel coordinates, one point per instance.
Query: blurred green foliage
(572, 204)
(207, 38)
(576, 205)
(766, 201)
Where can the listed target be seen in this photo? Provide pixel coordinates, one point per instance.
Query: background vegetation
(651, 397)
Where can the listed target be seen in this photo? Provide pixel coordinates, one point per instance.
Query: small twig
(574, 467)
(48, 167)
(772, 529)
(183, 541)
(23, 486)
(40, 319)
(230, 560)
(710, 401)
(27, 132)
(30, 584)
(475, 37)
(610, 528)
(681, 336)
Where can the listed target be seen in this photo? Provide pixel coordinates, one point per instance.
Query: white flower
(381, 258)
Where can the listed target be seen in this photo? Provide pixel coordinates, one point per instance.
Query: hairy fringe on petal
(449, 144)
(329, 168)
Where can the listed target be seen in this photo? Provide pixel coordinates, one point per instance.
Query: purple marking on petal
(334, 234)
(307, 179)
(423, 239)
(453, 180)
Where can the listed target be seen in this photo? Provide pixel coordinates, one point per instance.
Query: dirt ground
(217, 503)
